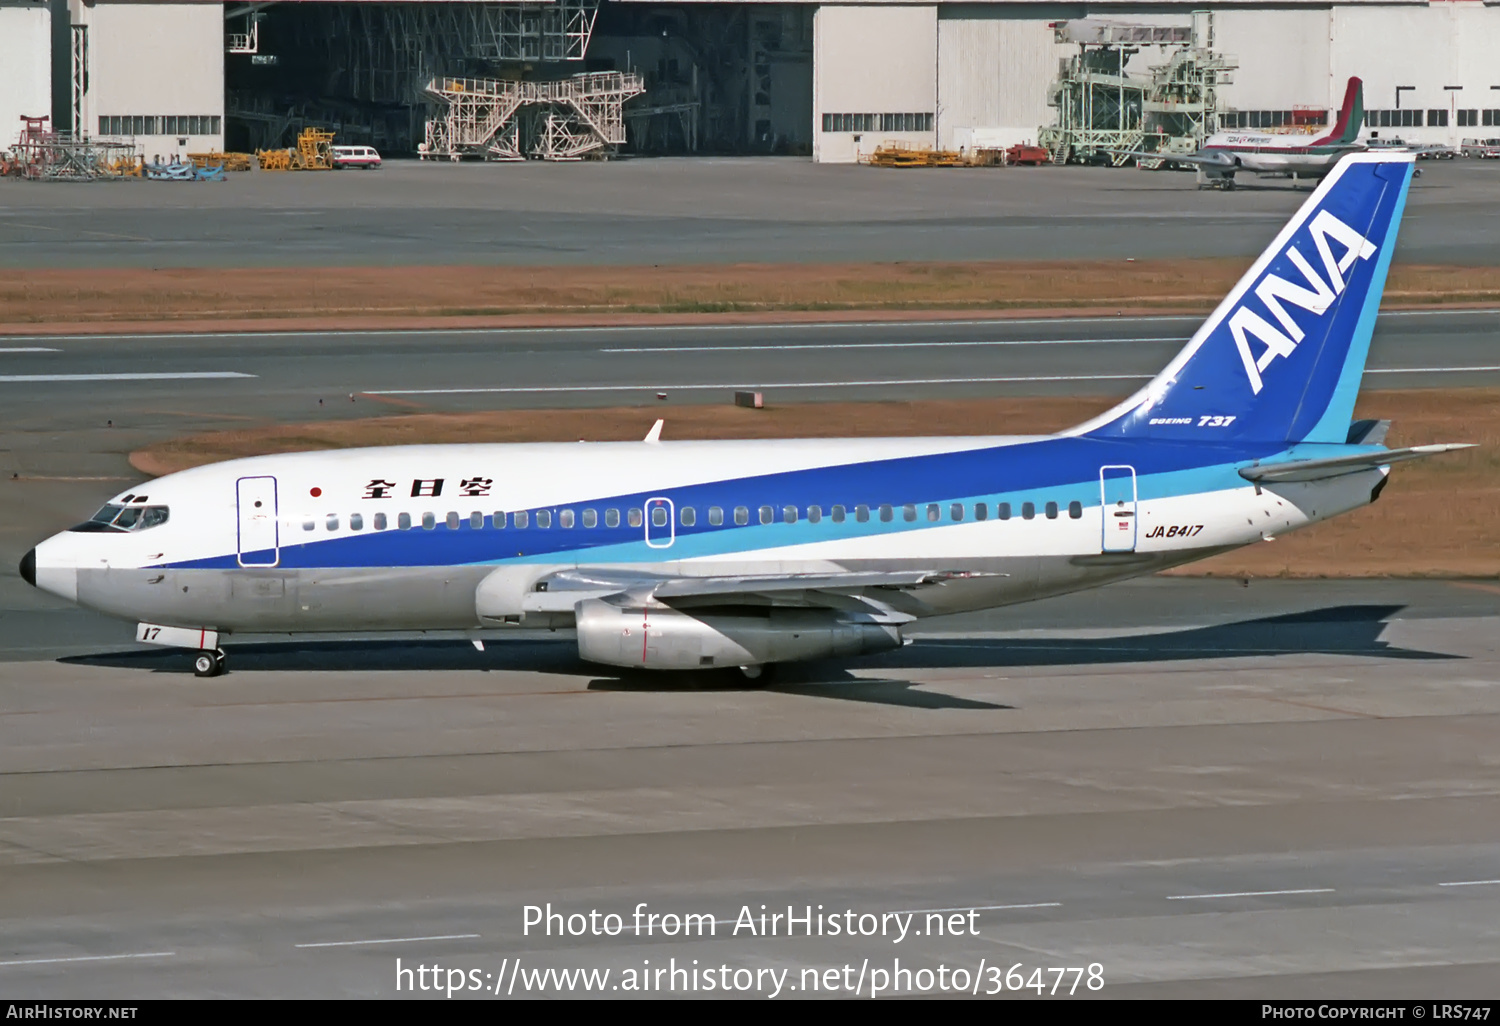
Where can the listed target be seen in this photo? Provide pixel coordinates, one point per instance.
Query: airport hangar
(833, 81)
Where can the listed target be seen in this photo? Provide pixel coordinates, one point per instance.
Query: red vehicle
(1024, 154)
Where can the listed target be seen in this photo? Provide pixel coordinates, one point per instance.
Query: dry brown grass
(376, 295)
(1439, 517)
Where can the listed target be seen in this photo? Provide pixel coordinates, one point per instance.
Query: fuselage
(1268, 153)
(455, 536)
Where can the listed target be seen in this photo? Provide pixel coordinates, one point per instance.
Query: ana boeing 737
(680, 555)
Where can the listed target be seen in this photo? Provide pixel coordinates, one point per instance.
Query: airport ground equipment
(227, 161)
(274, 160)
(565, 119)
(314, 151)
(1104, 111)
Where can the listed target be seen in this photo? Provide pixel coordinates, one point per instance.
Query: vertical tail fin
(1282, 356)
(1350, 120)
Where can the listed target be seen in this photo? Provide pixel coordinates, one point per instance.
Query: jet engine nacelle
(662, 638)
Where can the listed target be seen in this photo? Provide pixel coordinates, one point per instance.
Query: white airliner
(1225, 153)
(680, 555)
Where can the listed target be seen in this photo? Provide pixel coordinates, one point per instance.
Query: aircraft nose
(28, 568)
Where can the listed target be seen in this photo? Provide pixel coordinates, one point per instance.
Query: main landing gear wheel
(760, 675)
(208, 664)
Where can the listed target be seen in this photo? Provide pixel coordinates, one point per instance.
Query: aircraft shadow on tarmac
(1337, 630)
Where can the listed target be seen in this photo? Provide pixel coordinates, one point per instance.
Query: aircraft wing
(1334, 466)
(559, 591)
(1208, 158)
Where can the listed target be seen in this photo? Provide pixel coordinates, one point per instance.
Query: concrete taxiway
(1286, 789)
(695, 210)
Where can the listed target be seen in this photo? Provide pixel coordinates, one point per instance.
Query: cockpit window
(125, 518)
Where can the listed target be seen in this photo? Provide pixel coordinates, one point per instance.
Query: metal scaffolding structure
(493, 119)
(384, 53)
(41, 154)
(1102, 111)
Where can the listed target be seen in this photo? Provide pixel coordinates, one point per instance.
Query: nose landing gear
(208, 663)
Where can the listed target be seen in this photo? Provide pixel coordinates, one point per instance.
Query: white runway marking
(889, 345)
(778, 384)
(90, 958)
(1249, 894)
(391, 940)
(1468, 883)
(617, 328)
(29, 349)
(1429, 370)
(143, 376)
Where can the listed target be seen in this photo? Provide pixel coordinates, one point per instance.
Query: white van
(355, 156)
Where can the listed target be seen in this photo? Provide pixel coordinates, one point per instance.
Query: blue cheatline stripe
(1333, 425)
(1055, 469)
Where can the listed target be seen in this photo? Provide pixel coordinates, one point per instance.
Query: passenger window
(1028, 511)
(982, 510)
(741, 515)
(356, 522)
(934, 512)
(838, 514)
(611, 518)
(767, 514)
(403, 522)
(862, 513)
(520, 518)
(956, 512)
(590, 518)
(789, 514)
(429, 521)
(909, 513)
(379, 522)
(332, 521)
(565, 518)
(1003, 511)
(658, 516)
(887, 514)
(1051, 511)
(497, 520)
(309, 525)
(452, 521)
(688, 516)
(715, 516)
(544, 518)
(814, 514)
(1075, 510)
(634, 516)
(476, 521)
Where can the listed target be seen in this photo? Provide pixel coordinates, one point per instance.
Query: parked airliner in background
(1225, 153)
(680, 555)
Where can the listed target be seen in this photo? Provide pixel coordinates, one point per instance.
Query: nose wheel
(208, 663)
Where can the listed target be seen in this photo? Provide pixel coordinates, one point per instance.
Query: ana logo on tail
(1318, 295)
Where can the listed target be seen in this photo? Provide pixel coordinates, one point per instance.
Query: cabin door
(660, 530)
(1117, 496)
(259, 537)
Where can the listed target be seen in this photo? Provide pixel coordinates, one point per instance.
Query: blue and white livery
(678, 555)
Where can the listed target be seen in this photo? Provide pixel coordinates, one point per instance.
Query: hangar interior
(833, 80)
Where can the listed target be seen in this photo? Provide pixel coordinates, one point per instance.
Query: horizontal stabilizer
(1334, 466)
